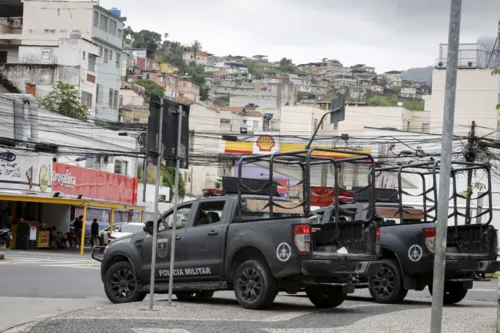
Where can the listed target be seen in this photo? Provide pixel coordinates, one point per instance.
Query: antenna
(496, 50)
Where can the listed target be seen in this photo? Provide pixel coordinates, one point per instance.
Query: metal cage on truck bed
(428, 173)
(305, 160)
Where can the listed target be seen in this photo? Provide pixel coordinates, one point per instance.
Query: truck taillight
(302, 238)
(430, 239)
(377, 242)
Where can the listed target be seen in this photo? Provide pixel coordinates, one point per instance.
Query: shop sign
(74, 181)
(43, 239)
(25, 171)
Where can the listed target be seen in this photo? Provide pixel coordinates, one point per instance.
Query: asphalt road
(39, 285)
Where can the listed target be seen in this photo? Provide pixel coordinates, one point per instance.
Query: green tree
(286, 66)
(173, 54)
(167, 179)
(222, 101)
(150, 88)
(196, 73)
(255, 67)
(196, 47)
(146, 39)
(64, 99)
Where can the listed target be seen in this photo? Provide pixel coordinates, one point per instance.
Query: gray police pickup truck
(407, 250)
(224, 244)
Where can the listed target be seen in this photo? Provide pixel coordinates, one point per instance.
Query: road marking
(43, 316)
(159, 330)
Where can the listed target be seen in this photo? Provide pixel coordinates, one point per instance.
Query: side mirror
(149, 227)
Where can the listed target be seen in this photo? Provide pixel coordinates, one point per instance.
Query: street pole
(445, 167)
(470, 157)
(156, 215)
(145, 170)
(176, 202)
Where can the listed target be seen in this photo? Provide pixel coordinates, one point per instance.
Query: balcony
(11, 29)
(467, 59)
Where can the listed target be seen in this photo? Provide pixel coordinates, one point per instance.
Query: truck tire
(325, 297)
(386, 286)
(254, 285)
(121, 285)
(190, 296)
(454, 292)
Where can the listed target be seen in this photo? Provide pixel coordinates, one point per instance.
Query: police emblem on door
(161, 248)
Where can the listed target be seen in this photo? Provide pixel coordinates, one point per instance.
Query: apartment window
(83, 55)
(100, 51)
(112, 27)
(87, 99)
(115, 99)
(3, 57)
(255, 124)
(118, 56)
(106, 55)
(97, 94)
(110, 55)
(148, 77)
(92, 61)
(110, 98)
(119, 33)
(45, 54)
(426, 127)
(121, 167)
(96, 19)
(103, 23)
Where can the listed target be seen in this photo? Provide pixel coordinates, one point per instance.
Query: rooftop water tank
(115, 11)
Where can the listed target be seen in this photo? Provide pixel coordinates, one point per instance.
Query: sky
(387, 34)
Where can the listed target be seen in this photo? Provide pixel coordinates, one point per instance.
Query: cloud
(388, 34)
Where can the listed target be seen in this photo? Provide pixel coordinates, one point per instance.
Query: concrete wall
(276, 96)
(56, 216)
(47, 21)
(477, 95)
(44, 76)
(200, 173)
(130, 97)
(150, 197)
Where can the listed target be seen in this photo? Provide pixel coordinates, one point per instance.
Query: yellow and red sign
(43, 239)
(266, 144)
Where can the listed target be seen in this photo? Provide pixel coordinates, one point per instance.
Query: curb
(22, 328)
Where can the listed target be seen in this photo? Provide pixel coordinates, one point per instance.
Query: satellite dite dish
(400, 103)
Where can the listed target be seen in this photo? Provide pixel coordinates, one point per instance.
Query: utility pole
(470, 156)
(445, 167)
(176, 203)
(156, 215)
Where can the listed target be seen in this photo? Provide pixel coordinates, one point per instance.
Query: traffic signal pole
(445, 166)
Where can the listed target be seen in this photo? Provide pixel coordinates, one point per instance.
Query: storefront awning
(41, 198)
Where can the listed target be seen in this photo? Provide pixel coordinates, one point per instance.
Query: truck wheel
(386, 286)
(454, 292)
(120, 284)
(189, 296)
(254, 285)
(325, 297)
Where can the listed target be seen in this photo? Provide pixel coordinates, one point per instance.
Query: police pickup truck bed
(219, 247)
(407, 250)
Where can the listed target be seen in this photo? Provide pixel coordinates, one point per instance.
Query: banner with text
(75, 181)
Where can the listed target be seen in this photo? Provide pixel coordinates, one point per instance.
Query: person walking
(78, 230)
(94, 232)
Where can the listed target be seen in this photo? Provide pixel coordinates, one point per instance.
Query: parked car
(127, 229)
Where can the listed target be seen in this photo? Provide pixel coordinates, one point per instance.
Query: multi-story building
(40, 31)
(408, 92)
(394, 78)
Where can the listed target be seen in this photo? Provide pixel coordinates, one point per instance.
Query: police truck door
(164, 243)
(201, 243)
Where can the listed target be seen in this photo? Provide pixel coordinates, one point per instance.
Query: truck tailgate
(473, 241)
(352, 237)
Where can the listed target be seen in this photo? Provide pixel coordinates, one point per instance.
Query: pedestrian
(78, 230)
(94, 232)
(72, 233)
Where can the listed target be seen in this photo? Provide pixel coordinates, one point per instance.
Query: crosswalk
(49, 260)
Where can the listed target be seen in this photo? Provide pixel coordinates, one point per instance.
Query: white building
(408, 92)
(232, 67)
(47, 22)
(394, 78)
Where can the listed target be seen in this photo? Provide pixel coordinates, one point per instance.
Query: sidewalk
(289, 315)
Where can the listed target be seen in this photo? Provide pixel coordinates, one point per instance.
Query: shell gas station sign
(270, 143)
